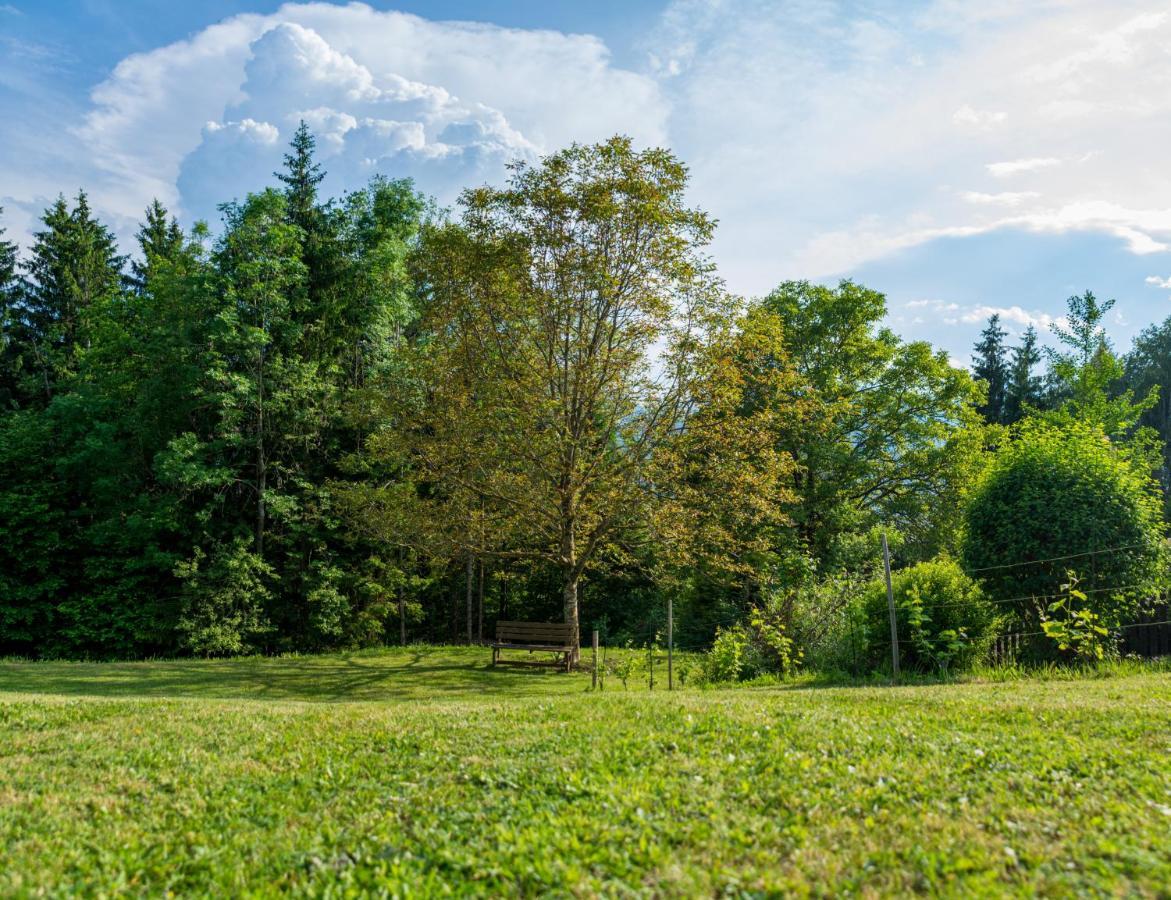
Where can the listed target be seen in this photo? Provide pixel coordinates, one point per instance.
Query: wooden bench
(534, 637)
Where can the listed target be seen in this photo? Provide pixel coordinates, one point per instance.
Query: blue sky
(962, 157)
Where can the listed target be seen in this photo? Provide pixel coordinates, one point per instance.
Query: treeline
(363, 420)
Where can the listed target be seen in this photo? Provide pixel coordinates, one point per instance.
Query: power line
(1030, 562)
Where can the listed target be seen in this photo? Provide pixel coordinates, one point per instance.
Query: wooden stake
(670, 642)
(890, 602)
(594, 641)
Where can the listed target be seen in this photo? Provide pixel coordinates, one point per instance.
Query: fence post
(670, 642)
(594, 641)
(890, 602)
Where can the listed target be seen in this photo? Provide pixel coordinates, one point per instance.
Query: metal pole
(594, 641)
(670, 642)
(890, 602)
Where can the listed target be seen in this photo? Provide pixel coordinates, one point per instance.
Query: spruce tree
(301, 176)
(73, 270)
(159, 238)
(9, 323)
(1024, 388)
(7, 262)
(990, 367)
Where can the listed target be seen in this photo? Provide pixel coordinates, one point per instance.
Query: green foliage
(728, 656)
(1061, 496)
(223, 599)
(1071, 623)
(888, 430)
(991, 369)
(944, 621)
(1025, 389)
(1085, 377)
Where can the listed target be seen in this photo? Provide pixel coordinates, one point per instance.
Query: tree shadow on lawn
(393, 675)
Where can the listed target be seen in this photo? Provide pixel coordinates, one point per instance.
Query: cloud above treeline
(447, 103)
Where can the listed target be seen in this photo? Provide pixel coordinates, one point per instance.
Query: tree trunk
(471, 605)
(570, 596)
(402, 617)
(261, 461)
(480, 605)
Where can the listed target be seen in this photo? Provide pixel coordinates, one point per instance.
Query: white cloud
(1004, 198)
(1159, 282)
(206, 118)
(819, 156)
(1018, 166)
(1039, 320)
(976, 118)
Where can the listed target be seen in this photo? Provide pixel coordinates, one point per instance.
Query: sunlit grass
(424, 771)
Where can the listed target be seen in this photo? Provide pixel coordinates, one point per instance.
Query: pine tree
(159, 238)
(1024, 388)
(73, 270)
(7, 262)
(990, 367)
(301, 176)
(9, 324)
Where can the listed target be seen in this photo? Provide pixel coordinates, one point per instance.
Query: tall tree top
(1084, 333)
(302, 175)
(159, 238)
(7, 260)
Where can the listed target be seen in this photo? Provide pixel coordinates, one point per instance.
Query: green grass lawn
(424, 772)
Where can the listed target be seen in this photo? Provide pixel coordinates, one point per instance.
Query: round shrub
(944, 621)
(1064, 491)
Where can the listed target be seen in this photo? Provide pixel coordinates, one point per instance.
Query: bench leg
(494, 652)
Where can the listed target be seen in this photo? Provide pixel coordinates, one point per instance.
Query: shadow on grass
(432, 673)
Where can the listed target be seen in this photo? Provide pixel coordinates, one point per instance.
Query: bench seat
(535, 637)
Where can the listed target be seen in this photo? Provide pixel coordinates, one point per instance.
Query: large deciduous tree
(886, 438)
(561, 318)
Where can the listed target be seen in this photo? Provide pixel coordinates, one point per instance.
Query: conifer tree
(301, 176)
(990, 367)
(73, 270)
(159, 238)
(9, 356)
(1024, 388)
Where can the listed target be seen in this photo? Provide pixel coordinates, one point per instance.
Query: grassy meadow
(423, 772)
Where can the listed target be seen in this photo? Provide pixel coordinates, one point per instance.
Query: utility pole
(890, 602)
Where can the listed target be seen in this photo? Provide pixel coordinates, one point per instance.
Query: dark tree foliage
(991, 369)
(1025, 387)
(1059, 500)
(160, 239)
(73, 276)
(183, 433)
(1148, 369)
(9, 349)
(168, 454)
(301, 177)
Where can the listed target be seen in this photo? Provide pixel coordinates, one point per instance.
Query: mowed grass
(421, 773)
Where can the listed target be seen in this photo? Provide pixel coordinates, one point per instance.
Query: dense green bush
(944, 621)
(1057, 500)
(759, 646)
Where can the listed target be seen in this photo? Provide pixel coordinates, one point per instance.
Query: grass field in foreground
(423, 772)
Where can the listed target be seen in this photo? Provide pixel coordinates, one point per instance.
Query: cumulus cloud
(1017, 166)
(1039, 320)
(978, 118)
(1159, 282)
(862, 147)
(1003, 198)
(448, 103)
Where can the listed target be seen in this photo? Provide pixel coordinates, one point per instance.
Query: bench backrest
(559, 635)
